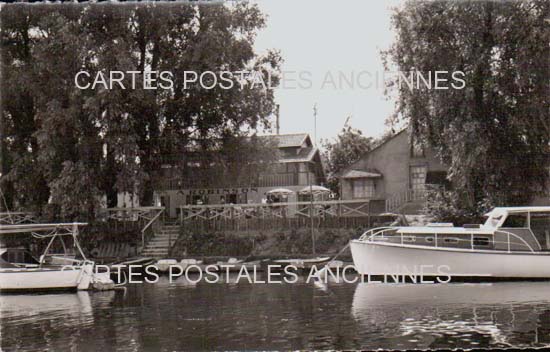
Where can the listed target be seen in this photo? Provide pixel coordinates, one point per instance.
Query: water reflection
(456, 315)
(45, 313)
(183, 315)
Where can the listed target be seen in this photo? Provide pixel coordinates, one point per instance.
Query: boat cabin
(506, 229)
(17, 257)
(58, 252)
(530, 223)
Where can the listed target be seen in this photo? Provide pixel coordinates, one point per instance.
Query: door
(417, 178)
(165, 202)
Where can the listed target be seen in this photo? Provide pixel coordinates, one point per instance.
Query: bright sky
(327, 39)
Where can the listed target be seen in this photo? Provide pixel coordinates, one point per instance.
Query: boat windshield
(18, 256)
(516, 220)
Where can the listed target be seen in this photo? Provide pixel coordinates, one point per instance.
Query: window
(451, 240)
(540, 225)
(279, 168)
(231, 198)
(516, 220)
(481, 241)
(418, 177)
(363, 188)
(429, 239)
(291, 167)
(437, 180)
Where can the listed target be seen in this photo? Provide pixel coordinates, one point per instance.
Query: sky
(335, 46)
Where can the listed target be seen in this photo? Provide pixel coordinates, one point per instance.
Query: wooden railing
(14, 218)
(410, 195)
(219, 181)
(147, 218)
(151, 227)
(338, 208)
(130, 214)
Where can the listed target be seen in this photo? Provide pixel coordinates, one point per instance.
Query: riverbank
(263, 244)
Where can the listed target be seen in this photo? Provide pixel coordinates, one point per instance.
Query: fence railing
(317, 209)
(151, 227)
(130, 214)
(146, 218)
(410, 195)
(279, 179)
(15, 218)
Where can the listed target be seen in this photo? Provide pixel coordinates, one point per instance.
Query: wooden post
(311, 213)
(368, 214)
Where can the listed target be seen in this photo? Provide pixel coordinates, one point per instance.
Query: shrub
(446, 206)
(212, 244)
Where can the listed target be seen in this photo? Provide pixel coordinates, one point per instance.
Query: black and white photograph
(272, 175)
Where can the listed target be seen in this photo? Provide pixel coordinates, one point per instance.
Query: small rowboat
(236, 265)
(189, 265)
(303, 265)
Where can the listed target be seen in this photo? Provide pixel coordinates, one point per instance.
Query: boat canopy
(442, 230)
(499, 211)
(70, 228)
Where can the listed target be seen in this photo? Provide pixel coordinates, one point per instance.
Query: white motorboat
(514, 242)
(51, 271)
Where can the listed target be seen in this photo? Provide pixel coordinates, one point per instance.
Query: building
(298, 165)
(393, 174)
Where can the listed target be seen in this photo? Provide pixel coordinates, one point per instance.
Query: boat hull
(45, 279)
(383, 259)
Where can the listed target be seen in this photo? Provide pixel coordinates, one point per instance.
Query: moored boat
(301, 264)
(185, 265)
(238, 265)
(513, 242)
(50, 271)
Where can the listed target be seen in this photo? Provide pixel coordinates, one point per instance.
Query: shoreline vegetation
(112, 241)
(218, 245)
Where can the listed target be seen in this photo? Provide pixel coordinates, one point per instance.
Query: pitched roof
(379, 145)
(288, 140)
(389, 138)
(304, 154)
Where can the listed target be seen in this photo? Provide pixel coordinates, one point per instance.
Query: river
(182, 315)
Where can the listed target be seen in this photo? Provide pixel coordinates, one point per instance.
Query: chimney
(277, 126)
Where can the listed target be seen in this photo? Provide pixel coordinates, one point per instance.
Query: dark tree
(495, 132)
(71, 147)
(348, 147)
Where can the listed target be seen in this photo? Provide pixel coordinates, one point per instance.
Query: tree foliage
(348, 147)
(59, 141)
(495, 132)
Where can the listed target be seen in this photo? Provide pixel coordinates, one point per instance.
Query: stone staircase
(164, 238)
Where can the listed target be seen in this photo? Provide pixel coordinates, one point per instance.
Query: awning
(280, 192)
(315, 190)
